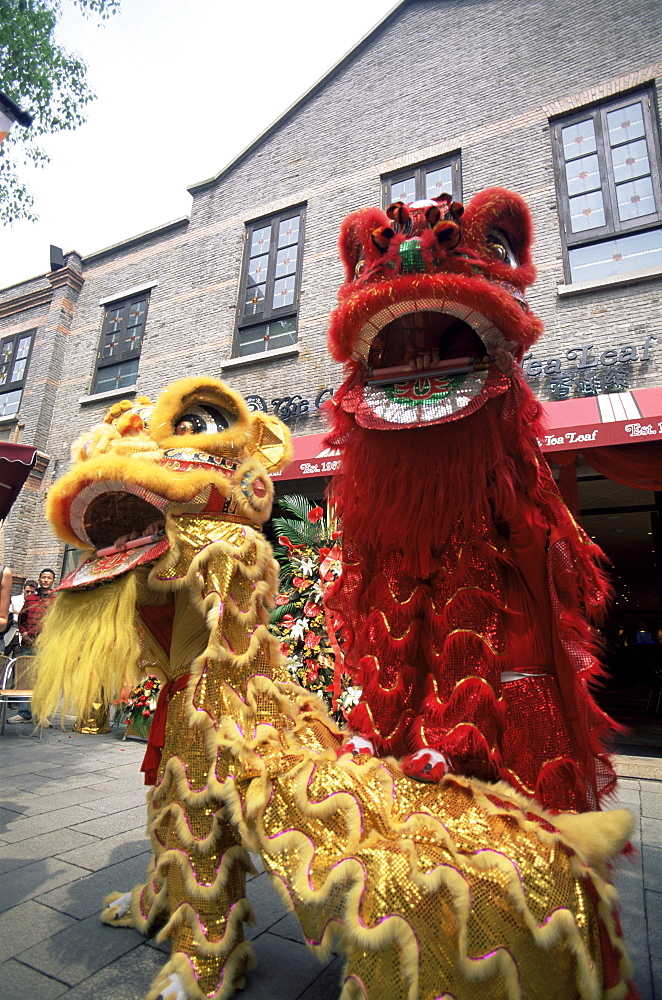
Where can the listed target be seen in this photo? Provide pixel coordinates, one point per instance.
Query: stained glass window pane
(288, 231)
(257, 270)
(635, 199)
(282, 333)
(403, 190)
(618, 256)
(283, 292)
(625, 124)
(254, 303)
(630, 160)
(260, 241)
(10, 402)
(18, 370)
(23, 347)
(586, 212)
(133, 339)
(286, 261)
(117, 376)
(252, 341)
(136, 313)
(7, 349)
(115, 320)
(4, 371)
(438, 182)
(582, 175)
(578, 139)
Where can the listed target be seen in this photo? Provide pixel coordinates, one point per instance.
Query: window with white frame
(14, 358)
(607, 162)
(122, 334)
(427, 180)
(267, 310)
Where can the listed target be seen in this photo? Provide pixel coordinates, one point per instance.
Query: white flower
(350, 696)
(307, 566)
(299, 629)
(319, 591)
(293, 667)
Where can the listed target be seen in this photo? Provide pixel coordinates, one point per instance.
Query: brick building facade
(466, 93)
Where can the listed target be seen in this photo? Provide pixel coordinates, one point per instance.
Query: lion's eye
(500, 249)
(203, 420)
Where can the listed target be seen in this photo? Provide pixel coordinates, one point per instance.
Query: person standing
(12, 636)
(30, 619)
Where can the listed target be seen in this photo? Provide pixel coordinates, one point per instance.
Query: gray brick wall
(479, 77)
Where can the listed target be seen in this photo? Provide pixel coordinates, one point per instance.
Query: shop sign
(589, 373)
(288, 407)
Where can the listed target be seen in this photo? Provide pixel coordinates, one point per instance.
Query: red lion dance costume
(468, 590)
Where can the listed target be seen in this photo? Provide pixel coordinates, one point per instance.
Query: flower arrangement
(309, 551)
(138, 706)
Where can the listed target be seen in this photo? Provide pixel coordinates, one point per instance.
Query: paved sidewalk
(72, 830)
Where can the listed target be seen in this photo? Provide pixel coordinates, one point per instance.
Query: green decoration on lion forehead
(411, 257)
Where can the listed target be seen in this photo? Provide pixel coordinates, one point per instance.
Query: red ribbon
(157, 732)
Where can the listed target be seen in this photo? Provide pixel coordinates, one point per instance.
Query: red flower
(300, 581)
(287, 620)
(315, 515)
(285, 648)
(147, 713)
(281, 599)
(284, 540)
(311, 609)
(311, 640)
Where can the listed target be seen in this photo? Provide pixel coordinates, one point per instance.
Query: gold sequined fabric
(461, 889)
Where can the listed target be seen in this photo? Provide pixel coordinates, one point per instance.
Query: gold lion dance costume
(458, 890)
(467, 589)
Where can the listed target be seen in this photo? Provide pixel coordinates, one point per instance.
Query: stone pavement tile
(120, 800)
(14, 856)
(652, 865)
(284, 970)
(18, 982)
(35, 879)
(654, 920)
(85, 896)
(109, 851)
(21, 828)
(107, 825)
(656, 969)
(36, 804)
(289, 927)
(651, 803)
(328, 985)
(651, 831)
(28, 767)
(127, 978)
(7, 816)
(81, 950)
(26, 925)
(626, 796)
(267, 905)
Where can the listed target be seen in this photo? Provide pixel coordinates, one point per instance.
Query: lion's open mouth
(424, 342)
(112, 515)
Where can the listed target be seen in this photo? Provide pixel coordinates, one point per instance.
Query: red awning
(16, 461)
(611, 418)
(587, 422)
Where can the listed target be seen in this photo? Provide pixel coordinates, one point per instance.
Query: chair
(16, 683)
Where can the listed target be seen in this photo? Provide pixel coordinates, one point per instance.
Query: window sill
(11, 418)
(101, 397)
(251, 359)
(647, 274)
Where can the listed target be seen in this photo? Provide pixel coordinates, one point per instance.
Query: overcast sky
(182, 87)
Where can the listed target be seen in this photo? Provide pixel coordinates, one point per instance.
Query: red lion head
(432, 315)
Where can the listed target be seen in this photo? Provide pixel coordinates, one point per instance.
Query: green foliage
(44, 80)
